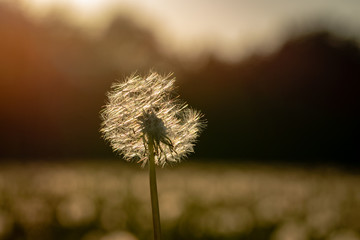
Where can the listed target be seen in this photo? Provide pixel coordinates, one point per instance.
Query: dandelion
(144, 121)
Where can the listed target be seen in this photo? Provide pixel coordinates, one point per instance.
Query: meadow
(110, 200)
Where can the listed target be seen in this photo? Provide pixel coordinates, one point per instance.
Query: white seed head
(143, 109)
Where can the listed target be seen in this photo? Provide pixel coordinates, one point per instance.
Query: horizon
(231, 30)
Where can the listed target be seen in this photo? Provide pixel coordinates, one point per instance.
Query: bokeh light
(197, 201)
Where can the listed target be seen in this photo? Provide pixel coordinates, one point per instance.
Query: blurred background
(278, 82)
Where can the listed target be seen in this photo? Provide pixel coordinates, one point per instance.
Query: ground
(109, 200)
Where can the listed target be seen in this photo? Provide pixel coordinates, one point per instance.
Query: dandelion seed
(143, 120)
(144, 109)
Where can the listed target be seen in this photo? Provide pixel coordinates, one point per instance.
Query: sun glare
(89, 14)
(87, 6)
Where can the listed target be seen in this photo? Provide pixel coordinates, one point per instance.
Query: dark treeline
(300, 102)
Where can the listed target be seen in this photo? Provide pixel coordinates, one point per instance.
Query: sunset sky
(230, 28)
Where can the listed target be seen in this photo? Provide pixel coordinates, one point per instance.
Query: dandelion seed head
(143, 109)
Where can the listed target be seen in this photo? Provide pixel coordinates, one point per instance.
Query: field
(109, 200)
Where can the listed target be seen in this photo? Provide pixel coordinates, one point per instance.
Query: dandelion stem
(153, 192)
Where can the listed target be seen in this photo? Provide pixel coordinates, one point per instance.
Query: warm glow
(231, 29)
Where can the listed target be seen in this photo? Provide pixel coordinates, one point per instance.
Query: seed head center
(153, 126)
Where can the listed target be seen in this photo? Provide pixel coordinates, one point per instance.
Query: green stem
(153, 192)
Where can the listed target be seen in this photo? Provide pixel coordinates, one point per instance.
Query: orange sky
(230, 28)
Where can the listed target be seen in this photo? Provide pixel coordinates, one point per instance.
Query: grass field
(109, 200)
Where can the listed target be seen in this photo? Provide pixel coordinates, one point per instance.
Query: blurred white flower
(143, 109)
